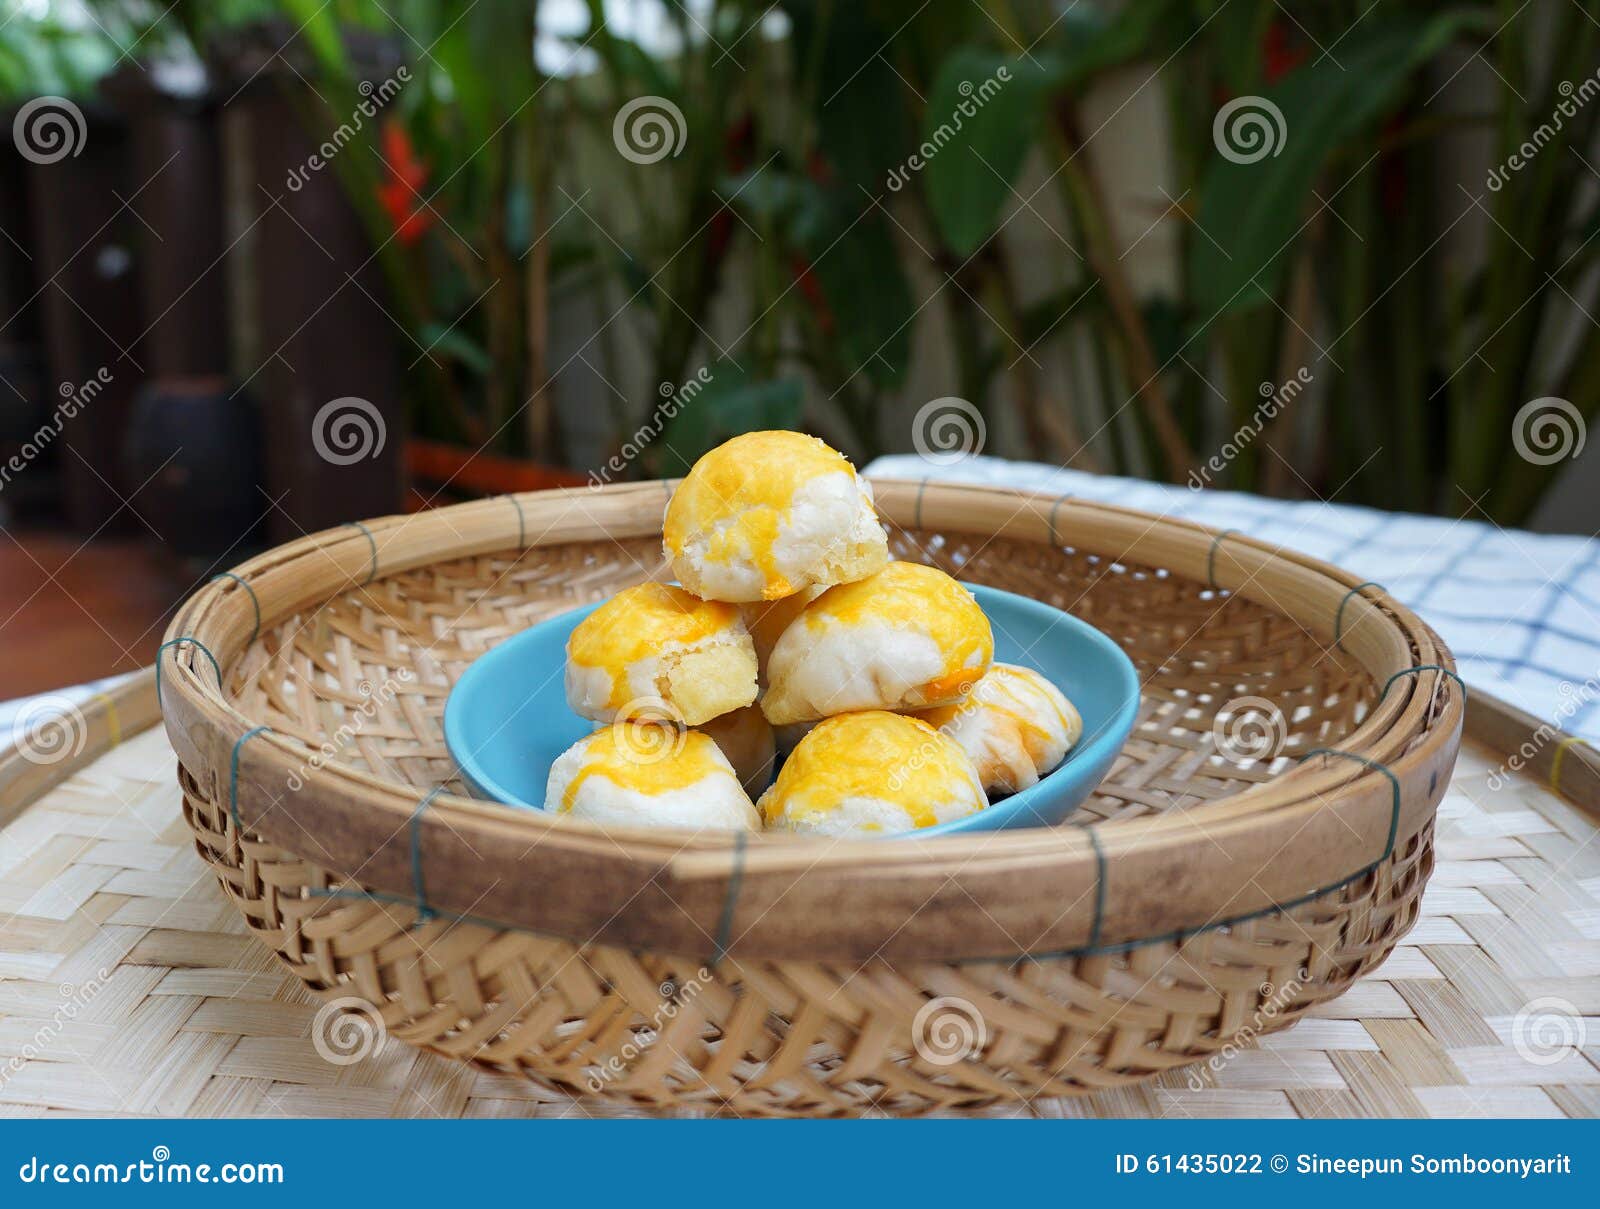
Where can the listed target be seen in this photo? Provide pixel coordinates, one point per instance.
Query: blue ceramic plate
(507, 718)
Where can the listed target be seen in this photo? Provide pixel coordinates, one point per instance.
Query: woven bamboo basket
(1201, 898)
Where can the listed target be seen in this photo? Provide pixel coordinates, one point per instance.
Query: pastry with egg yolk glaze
(745, 737)
(636, 774)
(663, 652)
(908, 637)
(1014, 725)
(872, 773)
(768, 514)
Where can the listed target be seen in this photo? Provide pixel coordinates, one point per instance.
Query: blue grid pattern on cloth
(1520, 611)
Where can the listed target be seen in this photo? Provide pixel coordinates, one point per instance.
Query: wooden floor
(72, 611)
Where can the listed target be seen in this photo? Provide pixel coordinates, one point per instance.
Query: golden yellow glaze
(871, 754)
(628, 756)
(741, 493)
(637, 622)
(1006, 690)
(911, 596)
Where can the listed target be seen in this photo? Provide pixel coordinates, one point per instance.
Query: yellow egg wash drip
(1017, 689)
(753, 535)
(873, 754)
(741, 493)
(637, 622)
(914, 597)
(1007, 692)
(628, 758)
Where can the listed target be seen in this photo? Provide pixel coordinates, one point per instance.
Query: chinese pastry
(657, 651)
(769, 514)
(643, 774)
(1014, 725)
(872, 773)
(908, 638)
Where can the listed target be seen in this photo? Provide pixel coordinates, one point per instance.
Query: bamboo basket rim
(1410, 733)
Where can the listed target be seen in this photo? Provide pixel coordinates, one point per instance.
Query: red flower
(1393, 170)
(401, 193)
(811, 291)
(1278, 57)
(818, 168)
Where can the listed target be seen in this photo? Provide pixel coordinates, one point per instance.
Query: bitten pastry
(908, 637)
(768, 514)
(662, 651)
(874, 773)
(1014, 725)
(637, 774)
(745, 737)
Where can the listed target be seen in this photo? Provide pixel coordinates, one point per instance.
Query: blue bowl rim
(1103, 745)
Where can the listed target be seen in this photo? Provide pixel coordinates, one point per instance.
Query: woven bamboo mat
(129, 986)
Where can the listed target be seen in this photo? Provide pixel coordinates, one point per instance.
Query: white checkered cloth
(18, 716)
(1520, 611)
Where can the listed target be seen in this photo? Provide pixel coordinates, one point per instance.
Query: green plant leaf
(474, 103)
(722, 403)
(1054, 315)
(1250, 213)
(1237, 30)
(452, 343)
(319, 25)
(863, 126)
(864, 284)
(1087, 42)
(981, 134)
(632, 67)
(854, 261)
(983, 114)
(1163, 320)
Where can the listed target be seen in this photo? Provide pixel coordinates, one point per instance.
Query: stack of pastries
(795, 640)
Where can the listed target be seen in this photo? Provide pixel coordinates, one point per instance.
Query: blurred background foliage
(771, 250)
